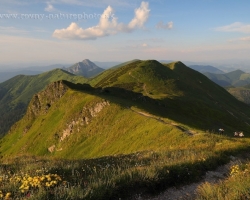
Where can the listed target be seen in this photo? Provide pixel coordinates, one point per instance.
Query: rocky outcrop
(87, 113)
(42, 101)
(52, 148)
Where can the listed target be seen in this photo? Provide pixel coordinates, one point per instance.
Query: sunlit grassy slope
(115, 130)
(145, 106)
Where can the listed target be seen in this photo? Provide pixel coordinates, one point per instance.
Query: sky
(68, 31)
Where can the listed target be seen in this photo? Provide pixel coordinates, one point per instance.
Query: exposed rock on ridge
(85, 117)
(43, 100)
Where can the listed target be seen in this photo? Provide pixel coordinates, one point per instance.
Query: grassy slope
(105, 73)
(16, 93)
(183, 94)
(240, 93)
(164, 153)
(116, 130)
(173, 92)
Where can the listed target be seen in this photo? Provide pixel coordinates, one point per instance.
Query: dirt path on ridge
(188, 132)
(188, 192)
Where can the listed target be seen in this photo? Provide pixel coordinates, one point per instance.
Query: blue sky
(68, 31)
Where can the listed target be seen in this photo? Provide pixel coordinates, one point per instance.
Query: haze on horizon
(65, 31)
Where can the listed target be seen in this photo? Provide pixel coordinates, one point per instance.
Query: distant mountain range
(7, 75)
(206, 68)
(32, 70)
(235, 78)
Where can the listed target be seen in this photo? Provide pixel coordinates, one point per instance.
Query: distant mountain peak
(85, 68)
(87, 61)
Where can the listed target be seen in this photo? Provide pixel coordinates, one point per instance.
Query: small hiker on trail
(221, 130)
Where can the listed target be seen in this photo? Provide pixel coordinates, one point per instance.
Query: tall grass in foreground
(235, 187)
(111, 177)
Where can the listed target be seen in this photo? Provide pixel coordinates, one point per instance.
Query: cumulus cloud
(161, 25)
(141, 16)
(49, 8)
(235, 27)
(108, 25)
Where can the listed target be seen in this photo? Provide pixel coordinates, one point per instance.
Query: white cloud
(161, 25)
(141, 16)
(235, 27)
(144, 45)
(107, 25)
(49, 8)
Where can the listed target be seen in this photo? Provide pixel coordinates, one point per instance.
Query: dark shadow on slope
(189, 111)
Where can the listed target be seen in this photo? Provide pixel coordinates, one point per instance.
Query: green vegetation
(118, 176)
(16, 93)
(235, 78)
(140, 127)
(240, 93)
(93, 81)
(235, 187)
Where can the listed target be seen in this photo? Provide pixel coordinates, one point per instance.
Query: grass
(114, 177)
(235, 186)
(16, 93)
(240, 93)
(129, 133)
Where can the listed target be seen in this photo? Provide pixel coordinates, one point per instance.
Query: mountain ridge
(92, 117)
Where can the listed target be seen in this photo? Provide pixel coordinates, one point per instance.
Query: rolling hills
(206, 68)
(7, 75)
(16, 93)
(235, 78)
(128, 110)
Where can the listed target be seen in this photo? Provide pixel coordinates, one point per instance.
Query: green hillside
(123, 107)
(235, 78)
(174, 84)
(97, 125)
(93, 81)
(144, 127)
(241, 93)
(16, 93)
